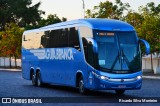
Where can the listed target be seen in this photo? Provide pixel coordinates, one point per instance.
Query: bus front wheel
(38, 78)
(81, 88)
(120, 92)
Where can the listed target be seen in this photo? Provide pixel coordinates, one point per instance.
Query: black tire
(33, 78)
(39, 80)
(82, 89)
(120, 92)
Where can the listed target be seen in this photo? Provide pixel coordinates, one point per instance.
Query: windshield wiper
(114, 63)
(124, 57)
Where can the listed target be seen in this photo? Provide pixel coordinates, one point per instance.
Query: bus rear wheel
(38, 79)
(33, 79)
(81, 88)
(120, 92)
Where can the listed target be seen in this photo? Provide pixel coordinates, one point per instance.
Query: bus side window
(74, 38)
(45, 39)
(55, 38)
(63, 38)
(52, 40)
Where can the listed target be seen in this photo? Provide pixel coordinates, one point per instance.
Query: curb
(4, 69)
(151, 77)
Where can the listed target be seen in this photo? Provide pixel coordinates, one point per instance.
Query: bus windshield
(118, 52)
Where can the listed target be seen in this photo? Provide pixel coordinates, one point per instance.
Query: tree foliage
(10, 44)
(14, 20)
(150, 30)
(146, 20)
(51, 19)
(20, 12)
(150, 27)
(108, 10)
(15, 16)
(134, 18)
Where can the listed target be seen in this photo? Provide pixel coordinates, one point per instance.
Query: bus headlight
(139, 77)
(99, 76)
(104, 78)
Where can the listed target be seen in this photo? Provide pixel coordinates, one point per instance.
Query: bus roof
(94, 23)
(108, 24)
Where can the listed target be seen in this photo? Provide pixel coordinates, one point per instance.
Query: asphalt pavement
(13, 85)
(151, 75)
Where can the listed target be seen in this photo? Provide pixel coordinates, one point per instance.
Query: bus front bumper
(119, 83)
(115, 85)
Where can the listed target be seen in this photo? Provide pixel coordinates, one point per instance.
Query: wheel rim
(81, 86)
(38, 80)
(33, 79)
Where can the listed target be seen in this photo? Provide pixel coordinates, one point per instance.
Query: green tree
(20, 12)
(150, 27)
(10, 44)
(108, 10)
(150, 30)
(134, 18)
(51, 19)
(153, 10)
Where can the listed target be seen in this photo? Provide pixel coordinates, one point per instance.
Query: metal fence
(5, 62)
(146, 65)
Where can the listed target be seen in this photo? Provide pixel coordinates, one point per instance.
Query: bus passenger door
(90, 52)
(91, 57)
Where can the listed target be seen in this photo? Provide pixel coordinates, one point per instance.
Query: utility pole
(83, 8)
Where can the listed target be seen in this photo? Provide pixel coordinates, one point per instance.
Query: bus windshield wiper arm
(119, 58)
(114, 63)
(125, 58)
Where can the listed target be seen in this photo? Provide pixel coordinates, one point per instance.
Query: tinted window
(67, 37)
(74, 38)
(63, 38)
(45, 39)
(54, 38)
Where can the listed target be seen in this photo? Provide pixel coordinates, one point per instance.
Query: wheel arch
(78, 75)
(37, 70)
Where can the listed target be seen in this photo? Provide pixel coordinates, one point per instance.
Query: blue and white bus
(95, 54)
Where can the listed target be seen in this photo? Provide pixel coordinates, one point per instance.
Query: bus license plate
(122, 86)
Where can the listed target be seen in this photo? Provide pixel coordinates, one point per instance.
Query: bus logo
(122, 80)
(6, 100)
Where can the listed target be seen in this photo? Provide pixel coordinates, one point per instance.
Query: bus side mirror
(94, 44)
(146, 44)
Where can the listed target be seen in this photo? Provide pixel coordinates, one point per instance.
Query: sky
(73, 9)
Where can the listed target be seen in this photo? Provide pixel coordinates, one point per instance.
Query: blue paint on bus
(104, 53)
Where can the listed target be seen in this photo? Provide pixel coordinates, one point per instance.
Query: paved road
(13, 85)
